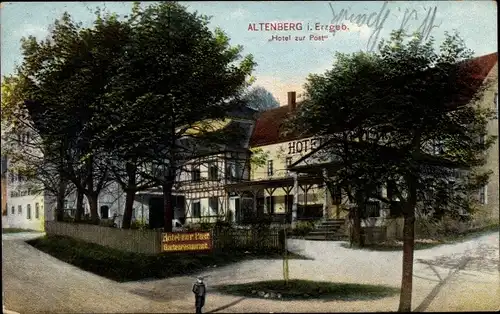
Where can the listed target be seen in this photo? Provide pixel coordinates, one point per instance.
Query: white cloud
(32, 29)
(237, 14)
(364, 31)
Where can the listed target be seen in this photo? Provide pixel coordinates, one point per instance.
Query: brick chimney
(292, 104)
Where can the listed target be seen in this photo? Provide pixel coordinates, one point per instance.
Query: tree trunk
(357, 231)
(131, 169)
(61, 193)
(79, 205)
(407, 278)
(357, 238)
(408, 248)
(129, 207)
(94, 215)
(168, 210)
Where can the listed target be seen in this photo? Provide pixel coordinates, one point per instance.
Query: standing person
(199, 291)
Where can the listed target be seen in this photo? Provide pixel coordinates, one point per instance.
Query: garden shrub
(302, 228)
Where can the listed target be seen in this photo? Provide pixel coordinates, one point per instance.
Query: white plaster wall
(21, 220)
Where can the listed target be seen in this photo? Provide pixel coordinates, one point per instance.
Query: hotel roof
(270, 124)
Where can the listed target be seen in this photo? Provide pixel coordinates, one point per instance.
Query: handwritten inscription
(376, 21)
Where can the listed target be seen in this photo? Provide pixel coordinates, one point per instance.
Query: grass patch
(394, 245)
(123, 266)
(16, 230)
(422, 244)
(306, 289)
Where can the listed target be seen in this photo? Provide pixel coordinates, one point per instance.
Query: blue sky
(282, 65)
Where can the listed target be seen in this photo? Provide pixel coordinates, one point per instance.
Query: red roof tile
(477, 70)
(269, 125)
(269, 128)
(484, 64)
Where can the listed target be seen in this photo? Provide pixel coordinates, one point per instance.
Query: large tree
(173, 76)
(408, 97)
(65, 79)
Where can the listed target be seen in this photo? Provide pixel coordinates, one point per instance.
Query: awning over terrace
(287, 182)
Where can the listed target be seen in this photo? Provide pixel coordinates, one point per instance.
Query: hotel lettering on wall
(303, 146)
(186, 241)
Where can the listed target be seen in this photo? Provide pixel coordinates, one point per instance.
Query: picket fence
(149, 241)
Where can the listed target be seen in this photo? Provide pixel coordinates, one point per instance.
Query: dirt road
(462, 276)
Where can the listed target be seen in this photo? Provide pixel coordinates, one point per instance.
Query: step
(330, 227)
(326, 238)
(323, 233)
(334, 220)
(331, 223)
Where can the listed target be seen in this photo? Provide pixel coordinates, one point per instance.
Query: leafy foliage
(384, 113)
(118, 101)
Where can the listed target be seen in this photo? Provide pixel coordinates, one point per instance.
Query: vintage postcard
(250, 156)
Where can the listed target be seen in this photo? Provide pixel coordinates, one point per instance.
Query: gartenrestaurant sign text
(186, 241)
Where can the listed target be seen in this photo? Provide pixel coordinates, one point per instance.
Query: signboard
(303, 146)
(186, 241)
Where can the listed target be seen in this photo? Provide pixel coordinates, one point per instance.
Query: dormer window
(495, 105)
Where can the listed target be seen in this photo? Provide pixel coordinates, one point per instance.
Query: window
(19, 209)
(495, 105)
(230, 170)
(195, 173)
(233, 170)
(104, 212)
(213, 203)
(28, 211)
(37, 211)
(213, 171)
(481, 139)
(372, 210)
(483, 194)
(336, 194)
(66, 204)
(391, 187)
(288, 162)
(13, 210)
(395, 209)
(270, 204)
(196, 209)
(270, 169)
